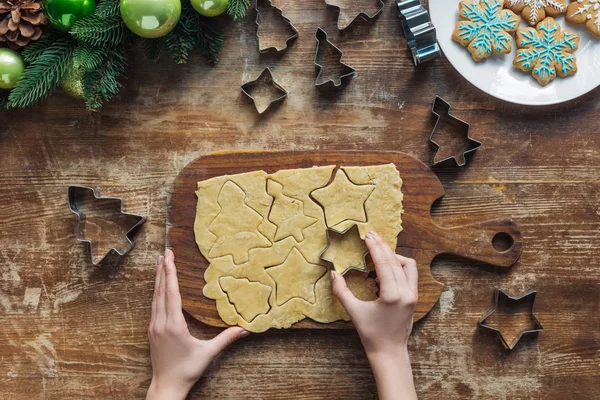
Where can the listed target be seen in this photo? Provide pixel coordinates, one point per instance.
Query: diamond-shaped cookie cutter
(321, 35)
(285, 19)
(75, 195)
(498, 294)
(419, 31)
(360, 14)
(342, 233)
(441, 108)
(246, 86)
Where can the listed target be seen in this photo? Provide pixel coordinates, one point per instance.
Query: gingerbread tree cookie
(585, 12)
(535, 11)
(485, 27)
(546, 51)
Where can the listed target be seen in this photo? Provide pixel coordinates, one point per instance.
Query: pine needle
(181, 40)
(88, 57)
(100, 31)
(153, 48)
(4, 99)
(210, 39)
(43, 75)
(101, 84)
(36, 48)
(237, 8)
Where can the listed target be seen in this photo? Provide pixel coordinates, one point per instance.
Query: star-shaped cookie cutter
(322, 35)
(500, 294)
(270, 80)
(342, 233)
(419, 31)
(77, 193)
(360, 14)
(441, 108)
(287, 20)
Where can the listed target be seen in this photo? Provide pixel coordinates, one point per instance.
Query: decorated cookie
(585, 12)
(546, 51)
(485, 27)
(535, 11)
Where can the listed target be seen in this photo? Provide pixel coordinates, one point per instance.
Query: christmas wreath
(80, 46)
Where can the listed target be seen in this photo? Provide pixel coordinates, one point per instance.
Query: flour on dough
(262, 235)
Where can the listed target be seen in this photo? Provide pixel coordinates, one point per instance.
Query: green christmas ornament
(11, 68)
(150, 18)
(72, 81)
(210, 8)
(62, 14)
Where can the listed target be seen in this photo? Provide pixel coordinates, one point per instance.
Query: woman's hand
(384, 325)
(178, 358)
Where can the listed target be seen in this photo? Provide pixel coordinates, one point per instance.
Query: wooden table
(69, 330)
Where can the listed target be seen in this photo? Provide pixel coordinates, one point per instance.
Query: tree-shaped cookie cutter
(441, 108)
(498, 294)
(360, 14)
(419, 31)
(284, 18)
(75, 195)
(342, 233)
(270, 80)
(321, 35)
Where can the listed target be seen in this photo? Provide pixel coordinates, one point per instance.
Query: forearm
(393, 375)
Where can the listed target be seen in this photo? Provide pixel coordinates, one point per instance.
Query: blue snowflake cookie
(546, 51)
(485, 27)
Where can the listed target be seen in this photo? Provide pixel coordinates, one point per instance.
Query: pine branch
(108, 9)
(43, 75)
(100, 31)
(210, 39)
(181, 40)
(153, 48)
(34, 49)
(89, 57)
(101, 84)
(4, 99)
(237, 8)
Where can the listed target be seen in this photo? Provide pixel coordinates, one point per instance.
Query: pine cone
(21, 21)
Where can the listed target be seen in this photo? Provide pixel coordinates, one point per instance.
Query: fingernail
(244, 334)
(373, 233)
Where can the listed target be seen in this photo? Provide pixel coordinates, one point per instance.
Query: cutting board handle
(497, 242)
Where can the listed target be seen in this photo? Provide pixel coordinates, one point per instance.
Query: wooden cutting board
(421, 239)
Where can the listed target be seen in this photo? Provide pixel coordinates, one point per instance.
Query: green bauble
(72, 81)
(11, 68)
(210, 8)
(62, 14)
(150, 18)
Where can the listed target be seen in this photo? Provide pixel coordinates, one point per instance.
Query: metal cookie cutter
(331, 261)
(501, 297)
(419, 31)
(441, 108)
(321, 35)
(360, 14)
(284, 18)
(265, 79)
(75, 196)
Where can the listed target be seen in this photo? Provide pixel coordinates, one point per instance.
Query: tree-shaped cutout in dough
(343, 200)
(295, 278)
(236, 226)
(250, 299)
(346, 250)
(287, 213)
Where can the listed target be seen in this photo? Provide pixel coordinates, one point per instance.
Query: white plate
(497, 76)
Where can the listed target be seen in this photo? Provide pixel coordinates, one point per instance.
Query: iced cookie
(546, 51)
(534, 11)
(585, 12)
(485, 27)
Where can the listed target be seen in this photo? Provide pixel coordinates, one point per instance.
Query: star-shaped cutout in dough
(287, 213)
(296, 278)
(512, 317)
(343, 200)
(346, 250)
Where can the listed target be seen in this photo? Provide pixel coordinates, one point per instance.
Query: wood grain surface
(69, 330)
(421, 237)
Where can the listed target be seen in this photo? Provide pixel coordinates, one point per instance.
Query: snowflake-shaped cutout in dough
(485, 27)
(546, 51)
(536, 10)
(585, 12)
